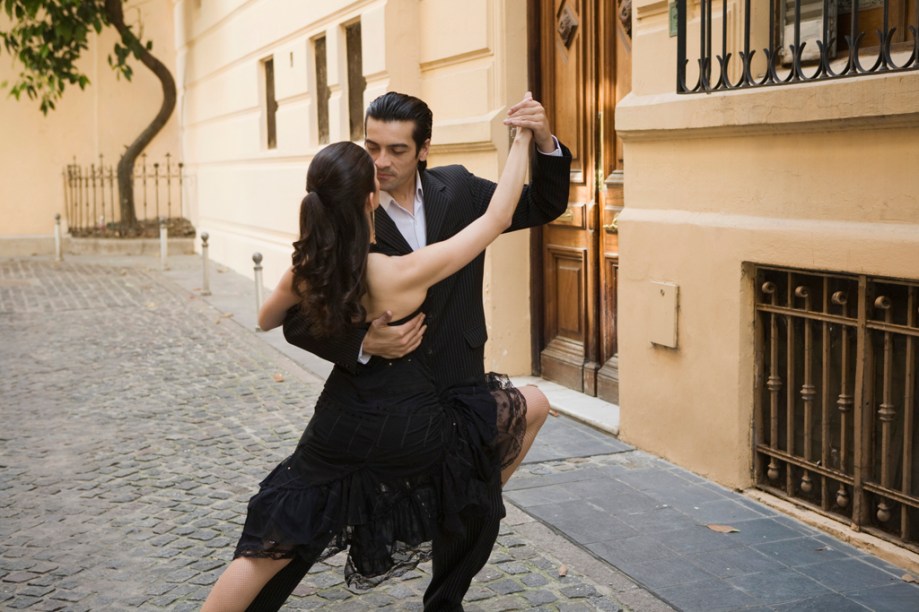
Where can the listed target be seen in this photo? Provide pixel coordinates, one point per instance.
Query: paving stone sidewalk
(137, 420)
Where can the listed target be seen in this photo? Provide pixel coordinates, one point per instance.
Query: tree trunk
(114, 12)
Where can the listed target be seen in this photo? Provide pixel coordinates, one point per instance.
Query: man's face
(393, 150)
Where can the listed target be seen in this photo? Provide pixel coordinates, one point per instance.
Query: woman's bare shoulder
(377, 265)
(386, 287)
(379, 268)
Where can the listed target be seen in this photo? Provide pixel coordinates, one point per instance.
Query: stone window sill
(864, 102)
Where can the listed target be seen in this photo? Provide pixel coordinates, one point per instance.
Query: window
(322, 88)
(356, 81)
(836, 399)
(271, 105)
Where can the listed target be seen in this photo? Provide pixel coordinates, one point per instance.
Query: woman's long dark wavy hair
(330, 258)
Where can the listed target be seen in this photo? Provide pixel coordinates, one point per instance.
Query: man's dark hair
(394, 106)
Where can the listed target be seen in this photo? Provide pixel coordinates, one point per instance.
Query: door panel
(566, 69)
(608, 376)
(582, 46)
(568, 332)
(565, 278)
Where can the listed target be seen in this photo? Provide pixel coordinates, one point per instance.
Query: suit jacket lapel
(388, 235)
(435, 206)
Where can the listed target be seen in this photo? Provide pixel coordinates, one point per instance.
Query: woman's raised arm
(406, 279)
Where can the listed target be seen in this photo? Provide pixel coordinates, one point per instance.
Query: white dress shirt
(411, 224)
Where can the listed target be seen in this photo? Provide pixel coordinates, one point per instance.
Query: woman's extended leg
(241, 582)
(537, 411)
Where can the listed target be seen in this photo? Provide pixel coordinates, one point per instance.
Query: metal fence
(836, 403)
(91, 197)
(801, 41)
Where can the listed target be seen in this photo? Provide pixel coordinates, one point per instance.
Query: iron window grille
(801, 43)
(836, 405)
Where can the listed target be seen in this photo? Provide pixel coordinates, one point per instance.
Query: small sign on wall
(663, 307)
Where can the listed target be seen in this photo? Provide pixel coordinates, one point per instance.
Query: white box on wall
(663, 307)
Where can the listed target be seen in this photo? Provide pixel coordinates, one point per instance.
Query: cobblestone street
(138, 420)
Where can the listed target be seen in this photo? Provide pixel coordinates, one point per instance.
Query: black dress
(384, 463)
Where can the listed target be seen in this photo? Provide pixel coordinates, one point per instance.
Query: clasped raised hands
(530, 114)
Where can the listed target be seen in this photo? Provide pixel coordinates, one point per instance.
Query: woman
(384, 461)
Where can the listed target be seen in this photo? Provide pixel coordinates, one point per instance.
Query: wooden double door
(580, 67)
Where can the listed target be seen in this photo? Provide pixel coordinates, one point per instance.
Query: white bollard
(163, 242)
(58, 255)
(257, 258)
(206, 285)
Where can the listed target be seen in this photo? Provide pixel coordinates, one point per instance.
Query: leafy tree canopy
(47, 38)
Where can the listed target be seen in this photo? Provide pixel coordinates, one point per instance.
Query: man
(420, 206)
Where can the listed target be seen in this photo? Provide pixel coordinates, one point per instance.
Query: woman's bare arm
(395, 283)
(275, 308)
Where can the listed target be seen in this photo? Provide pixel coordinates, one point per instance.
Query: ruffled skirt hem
(386, 523)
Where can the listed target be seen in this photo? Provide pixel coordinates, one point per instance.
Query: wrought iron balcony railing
(806, 40)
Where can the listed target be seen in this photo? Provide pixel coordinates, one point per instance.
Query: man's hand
(528, 113)
(394, 341)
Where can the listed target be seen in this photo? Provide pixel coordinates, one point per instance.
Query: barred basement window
(837, 397)
(322, 89)
(356, 82)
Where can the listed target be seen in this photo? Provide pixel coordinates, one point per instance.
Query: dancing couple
(410, 441)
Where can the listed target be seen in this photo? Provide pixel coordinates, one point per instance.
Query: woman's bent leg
(241, 582)
(278, 590)
(537, 411)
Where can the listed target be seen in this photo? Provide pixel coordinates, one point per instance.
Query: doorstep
(585, 408)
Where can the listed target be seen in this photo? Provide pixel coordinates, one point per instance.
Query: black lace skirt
(380, 478)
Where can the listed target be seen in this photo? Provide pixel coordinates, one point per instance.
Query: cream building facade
(811, 187)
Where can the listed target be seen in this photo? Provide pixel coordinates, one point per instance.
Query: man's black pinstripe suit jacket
(455, 338)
